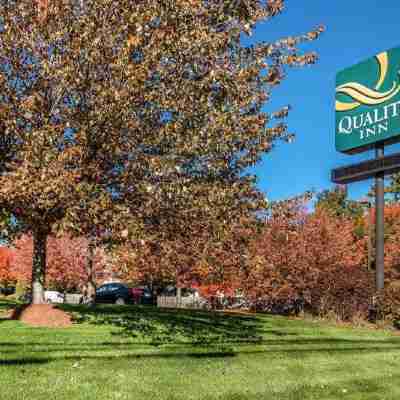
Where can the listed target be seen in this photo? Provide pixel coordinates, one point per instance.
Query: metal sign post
(378, 168)
(368, 117)
(379, 222)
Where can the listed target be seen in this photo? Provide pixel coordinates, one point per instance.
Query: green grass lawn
(143, 353)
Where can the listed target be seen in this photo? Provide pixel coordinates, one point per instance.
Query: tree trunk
(38, 266)
(178, 297)
(91, 282)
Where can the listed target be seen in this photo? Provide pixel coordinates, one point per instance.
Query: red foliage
(43, 8)
(309, 258)
(196, 260)
(66, 261)
(213, 290)
(392, 240)
(7, 275)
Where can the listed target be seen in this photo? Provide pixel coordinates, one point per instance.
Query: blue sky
(356, 30)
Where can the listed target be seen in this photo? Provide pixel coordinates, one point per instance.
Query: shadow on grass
(6, 304)
(161, 326)
(24, 361)
(179, 333)
(222, 353)
(45, 360)
(285, 345)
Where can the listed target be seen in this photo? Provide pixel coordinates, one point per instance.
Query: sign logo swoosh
(364, 95)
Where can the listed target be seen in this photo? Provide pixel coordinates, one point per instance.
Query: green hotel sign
(368, 103)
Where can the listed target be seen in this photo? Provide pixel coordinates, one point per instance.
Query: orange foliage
(392, 243)
(6, 272)
(43, 8)
(315, 259)
(66, 261)
(195, 260)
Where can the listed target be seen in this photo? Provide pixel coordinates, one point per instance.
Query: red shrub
(311, 261)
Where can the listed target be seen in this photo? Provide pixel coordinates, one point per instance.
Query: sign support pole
(370, 235)
(379, 222)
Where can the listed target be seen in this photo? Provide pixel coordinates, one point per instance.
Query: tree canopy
(336, 202)
(131, 119)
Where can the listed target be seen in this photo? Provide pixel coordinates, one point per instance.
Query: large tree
(125, 118)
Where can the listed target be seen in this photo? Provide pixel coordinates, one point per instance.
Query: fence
(72, 298)
(211, 303)
(175, 302)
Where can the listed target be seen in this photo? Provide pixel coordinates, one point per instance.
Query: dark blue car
(119, 293)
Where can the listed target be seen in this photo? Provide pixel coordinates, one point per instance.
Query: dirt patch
(45, 315)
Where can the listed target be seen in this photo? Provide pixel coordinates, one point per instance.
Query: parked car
(119, 293)
(142, 295)
(8, 290)
(52, 296)
(190, 298)
(25, 297)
